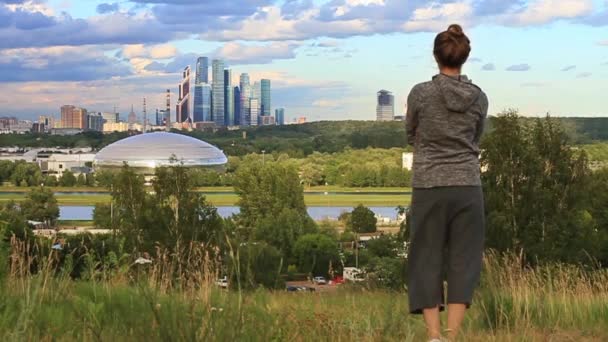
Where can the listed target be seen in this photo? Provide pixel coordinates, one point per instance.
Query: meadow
(550, 303)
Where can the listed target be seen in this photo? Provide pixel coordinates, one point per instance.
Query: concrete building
(56, 164)
(110, 127)
(95, 122)
(182, 109)
(73, 117)
(110, 117)
(407, 160)
(267, 120)
(245, 91)
(385, 108)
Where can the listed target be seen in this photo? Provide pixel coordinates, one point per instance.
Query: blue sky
(326, 58)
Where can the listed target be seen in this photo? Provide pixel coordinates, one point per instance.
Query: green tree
(258, 264)
(26, 174)
(81, 180)
(41, 205)
(283, 230)
(536, 189)
(385, 246)
(102, 216)
(363, 220)
(67, 179)
(315, 252)
(265, 189)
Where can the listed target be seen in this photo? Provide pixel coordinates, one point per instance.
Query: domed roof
(152, 150)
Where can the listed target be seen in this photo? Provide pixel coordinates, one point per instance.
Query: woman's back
(444, 123)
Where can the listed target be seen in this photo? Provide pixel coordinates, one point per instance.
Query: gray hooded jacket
(444, 122)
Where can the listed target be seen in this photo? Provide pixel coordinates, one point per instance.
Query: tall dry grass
(175, 299)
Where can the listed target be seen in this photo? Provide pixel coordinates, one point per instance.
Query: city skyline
(326, 59)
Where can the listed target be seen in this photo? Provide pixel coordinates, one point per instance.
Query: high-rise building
(202, 103)
(245, 88)
(237, 106)
(267, 120)
(202, 70)
(73, 117)
(132, 120)
(110, 117)
(254, 111)
(385, 109)
(279, 115)
(182, 110)
(265, 98)
(228, 98)
(95, 122)
(167, 120)
(218, 110)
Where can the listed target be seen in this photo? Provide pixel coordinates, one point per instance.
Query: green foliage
(386, 272)
(536, 189)
(384, 246)
(81, 180)
(283, 229)
(266, 189)
(68, 179)
(102, 216)
(41, 205)
(259, 264)
(315, 253)
(26, 174)
(363, 220)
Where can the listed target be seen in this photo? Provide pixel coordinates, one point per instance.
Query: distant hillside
(300, 140)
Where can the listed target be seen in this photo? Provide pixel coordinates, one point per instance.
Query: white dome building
(146, 152)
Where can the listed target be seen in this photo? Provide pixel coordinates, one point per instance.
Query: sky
(326, 58)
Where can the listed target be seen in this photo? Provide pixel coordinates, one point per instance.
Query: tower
(167, 120)
(385, 109)
(145, 117)
(183, 104)
(228, 98)
(218, 111)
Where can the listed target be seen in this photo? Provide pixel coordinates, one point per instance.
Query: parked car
(223, 282)
(320, 280)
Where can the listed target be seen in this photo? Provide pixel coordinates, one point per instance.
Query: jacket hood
(459, 93)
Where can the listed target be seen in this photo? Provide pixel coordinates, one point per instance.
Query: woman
(445, 119)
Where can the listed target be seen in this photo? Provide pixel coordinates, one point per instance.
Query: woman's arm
(411, 117)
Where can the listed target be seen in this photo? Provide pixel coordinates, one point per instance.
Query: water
(85, 213)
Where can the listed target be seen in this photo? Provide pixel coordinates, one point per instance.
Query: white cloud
(544, 11)
(438, 17)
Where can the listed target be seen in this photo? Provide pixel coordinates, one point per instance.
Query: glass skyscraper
(265, 98)
(202, 102)
(279, 115)
(385, 109)
(254, 111)
(237, 106)
(218, 110)
(228, 98)
(245, 103)
(202, 70)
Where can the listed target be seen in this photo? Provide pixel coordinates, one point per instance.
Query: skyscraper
(132, 119)
(279, 115)
(228, 98)
(245, 88)
(265, 98)
(202, 103)
(95, 122)
(182, 110)
(237, 106)
(202, 71)
(218, 110)
(385, 109)
(73, 117)
(254, 111)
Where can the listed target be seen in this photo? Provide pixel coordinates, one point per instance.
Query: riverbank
(229, 199)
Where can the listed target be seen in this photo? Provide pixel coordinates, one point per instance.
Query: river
(85, 213)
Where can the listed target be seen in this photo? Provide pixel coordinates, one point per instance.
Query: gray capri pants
(447, 240)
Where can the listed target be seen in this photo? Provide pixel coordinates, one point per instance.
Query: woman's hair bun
(456, 30)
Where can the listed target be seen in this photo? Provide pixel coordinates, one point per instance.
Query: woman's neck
(450, 71)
